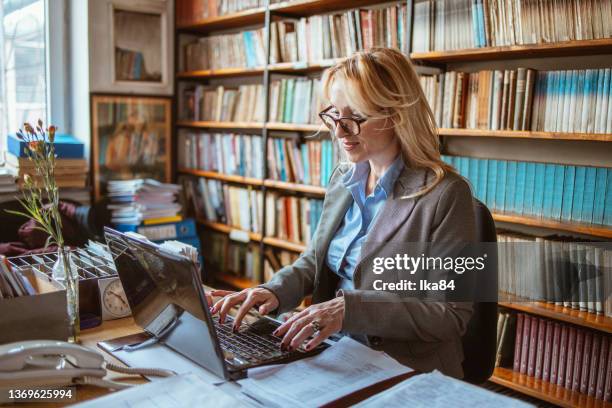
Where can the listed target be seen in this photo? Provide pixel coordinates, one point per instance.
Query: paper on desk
(187, 390)
(345, 367)
(437, 390)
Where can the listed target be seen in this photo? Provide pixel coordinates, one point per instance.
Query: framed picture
(132, 52)
(131, 139)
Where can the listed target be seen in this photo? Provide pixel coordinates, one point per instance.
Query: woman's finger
(295, 328)
(282, 329)
(228, 303)
(222, 293)
(318, 338)
(250, 301)
(307, 331)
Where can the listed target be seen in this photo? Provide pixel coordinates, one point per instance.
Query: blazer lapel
(394, 213)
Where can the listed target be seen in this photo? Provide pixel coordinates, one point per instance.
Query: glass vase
(65, 272)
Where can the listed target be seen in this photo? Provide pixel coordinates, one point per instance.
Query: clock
(112, 299)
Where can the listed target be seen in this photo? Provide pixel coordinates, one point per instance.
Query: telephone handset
(52, 363)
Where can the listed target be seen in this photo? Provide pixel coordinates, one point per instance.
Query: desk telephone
(38, 363)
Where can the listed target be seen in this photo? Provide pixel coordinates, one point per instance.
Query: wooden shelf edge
(217, 226)
(223, 177)
(283, 244)
(222, 72)
(219, 125)
(601, 231)
(235, 281)
(543, 390)
(296, 127)
(520, 134)
(564, 48)
(233, 20)
(567, 315)
(302, 188)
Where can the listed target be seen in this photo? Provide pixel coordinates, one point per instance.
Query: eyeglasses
(350, 125)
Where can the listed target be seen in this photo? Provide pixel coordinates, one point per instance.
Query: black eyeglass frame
(324, 113)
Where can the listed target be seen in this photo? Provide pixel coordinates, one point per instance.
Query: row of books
(320, 37)
(309, 39)
(223, 255)
(521, 99)
(572, 357)
(215, 201)
(296, 100)
(310, 163)
(553, 191)
(292, 218)
(243, 49)
(275, 260)
(449, 25)
(222, 104)
(130, 66)
(561, 272)
(226, 153)
(573, 101)
(192, 11)
(137, 201)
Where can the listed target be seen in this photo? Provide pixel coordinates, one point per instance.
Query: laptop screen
(166, 297)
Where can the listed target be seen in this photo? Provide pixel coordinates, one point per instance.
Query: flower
(51, 131)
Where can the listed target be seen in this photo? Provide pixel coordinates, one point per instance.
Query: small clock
(113, 300)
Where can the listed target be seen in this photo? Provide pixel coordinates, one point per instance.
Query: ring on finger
(316, 325)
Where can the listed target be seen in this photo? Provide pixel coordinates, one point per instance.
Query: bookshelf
(441, 60)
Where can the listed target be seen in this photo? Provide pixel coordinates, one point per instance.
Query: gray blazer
(423, 335)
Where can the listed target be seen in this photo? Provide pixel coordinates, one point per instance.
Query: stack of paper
(342, 369)
(135, 201)
(437, 390)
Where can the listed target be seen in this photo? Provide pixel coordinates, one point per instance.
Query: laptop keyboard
(246, 347)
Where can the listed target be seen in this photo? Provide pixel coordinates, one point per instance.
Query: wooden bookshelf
(550, 311)
(219, 73)
(544, 390)
(559, 49)
(296, 127)
(283, 244)
(235, 281)
(601, 231)
(218, 125)
(295, 187)
(234, 20)
(250, 181)
(227, 229)
(519, 134)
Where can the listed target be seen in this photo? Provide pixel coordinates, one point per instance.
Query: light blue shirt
(345, 248)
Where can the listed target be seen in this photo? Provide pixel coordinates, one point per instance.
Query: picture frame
(131, 45)
(131, 138)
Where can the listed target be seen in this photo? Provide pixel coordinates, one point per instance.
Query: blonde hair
(381, 83)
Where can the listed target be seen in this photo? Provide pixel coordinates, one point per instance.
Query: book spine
(518, 342)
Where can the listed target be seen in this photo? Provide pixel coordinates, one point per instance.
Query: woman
(395, 189)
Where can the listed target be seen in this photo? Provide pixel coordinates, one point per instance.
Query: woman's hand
(252, 297)
(329, 317)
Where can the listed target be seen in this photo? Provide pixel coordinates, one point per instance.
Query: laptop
(167, 300)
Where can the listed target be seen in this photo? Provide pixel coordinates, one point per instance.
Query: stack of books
(8, 183)
(70, 165)
(553, 191)
(133, 202)
(572, 357)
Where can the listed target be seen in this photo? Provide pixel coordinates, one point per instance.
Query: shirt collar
(359, 174)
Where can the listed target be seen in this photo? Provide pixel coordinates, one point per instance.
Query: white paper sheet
(345, 367)
(187, 390)
(437, 390)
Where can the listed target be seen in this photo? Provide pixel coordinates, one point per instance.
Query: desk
(123, 327)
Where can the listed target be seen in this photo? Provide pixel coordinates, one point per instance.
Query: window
(23, 82)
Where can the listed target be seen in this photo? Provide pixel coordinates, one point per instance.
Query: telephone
(52, 363)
